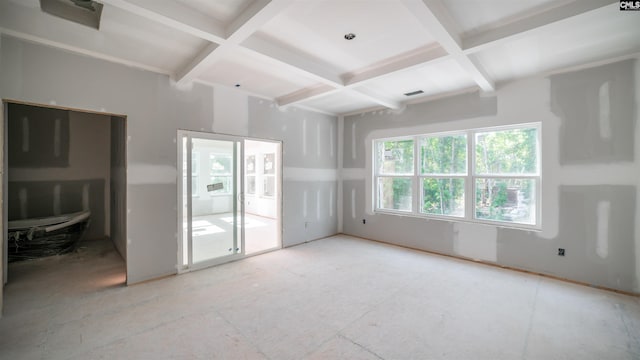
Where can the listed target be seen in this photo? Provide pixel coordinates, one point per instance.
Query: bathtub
(40, 237)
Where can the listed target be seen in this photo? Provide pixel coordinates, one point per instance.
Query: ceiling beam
(174, 15)
(403, 62)
(433, 15)
(305, 94)
(247, 23)
(522, 26)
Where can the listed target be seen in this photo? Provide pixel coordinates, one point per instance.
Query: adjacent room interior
(330, 179)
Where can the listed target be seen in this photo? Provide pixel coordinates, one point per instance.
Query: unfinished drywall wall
(309, 152)
(155, 110)
(59, 164)
(590, 167)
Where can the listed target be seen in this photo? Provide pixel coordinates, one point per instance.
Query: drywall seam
(598, 174)
(475, 241)
(353, 203)
(331, 140)
(331, 202)
(318, 142)
(354, 173)
(318, 205)
(604, 114)
(138, 174)
(304, 204)
(602, 230)
(304, 136)
(314, 175)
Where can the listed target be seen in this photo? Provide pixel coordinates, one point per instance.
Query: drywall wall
(309, 184)
(590, 167)
(118, 185)
(59, 164)
(155, 110)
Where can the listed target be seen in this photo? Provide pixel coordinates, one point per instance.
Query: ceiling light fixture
(350, 36)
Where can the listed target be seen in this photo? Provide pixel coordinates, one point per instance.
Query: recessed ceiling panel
(340, 102)
(473, 16)
(222, 10)
(594, 36)
(122, 35)
(146, 40)
(255, 75)
(440, 77)
(317, 29)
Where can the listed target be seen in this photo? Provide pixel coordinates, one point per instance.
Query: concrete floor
(336, 298)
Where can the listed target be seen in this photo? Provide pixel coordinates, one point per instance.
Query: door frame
(239, 197)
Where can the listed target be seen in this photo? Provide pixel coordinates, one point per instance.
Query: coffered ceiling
(295, 52)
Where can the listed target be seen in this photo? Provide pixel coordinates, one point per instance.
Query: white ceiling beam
(205, 58)
(174, 15)
(523, 26)
(247, 23)
(305, 94)
(403, 62)
(433, 15)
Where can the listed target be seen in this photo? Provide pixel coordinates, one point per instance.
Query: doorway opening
(229, 198)
(64, 197)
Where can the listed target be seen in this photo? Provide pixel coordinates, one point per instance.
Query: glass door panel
(210, 206)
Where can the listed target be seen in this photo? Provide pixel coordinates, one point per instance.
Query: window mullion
(469, 184)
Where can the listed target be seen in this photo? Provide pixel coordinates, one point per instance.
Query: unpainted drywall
(597, 110)
(155, 110)
(59, 163)
(309, 184)
(589, 196)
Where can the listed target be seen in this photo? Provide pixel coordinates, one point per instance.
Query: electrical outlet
(364, 221)
(560, 252)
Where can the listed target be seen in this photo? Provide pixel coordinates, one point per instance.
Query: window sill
(497, 224)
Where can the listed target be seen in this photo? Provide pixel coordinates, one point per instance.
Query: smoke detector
(84, 12)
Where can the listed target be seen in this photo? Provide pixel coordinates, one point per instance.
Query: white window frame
(227, 175)
(469, 178)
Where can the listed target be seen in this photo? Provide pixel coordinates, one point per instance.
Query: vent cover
(414, 93)
(84, 12)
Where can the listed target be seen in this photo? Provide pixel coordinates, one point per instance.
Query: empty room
(320, 179)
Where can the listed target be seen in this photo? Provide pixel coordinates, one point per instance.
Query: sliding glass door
(215, 216)
(211, 194)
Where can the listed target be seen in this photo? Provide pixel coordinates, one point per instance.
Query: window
(483, 175)
(251, 174)
(220, 172)
(269, 183)
(395, 170)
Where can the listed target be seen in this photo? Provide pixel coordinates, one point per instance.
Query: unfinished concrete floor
(336, 298)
